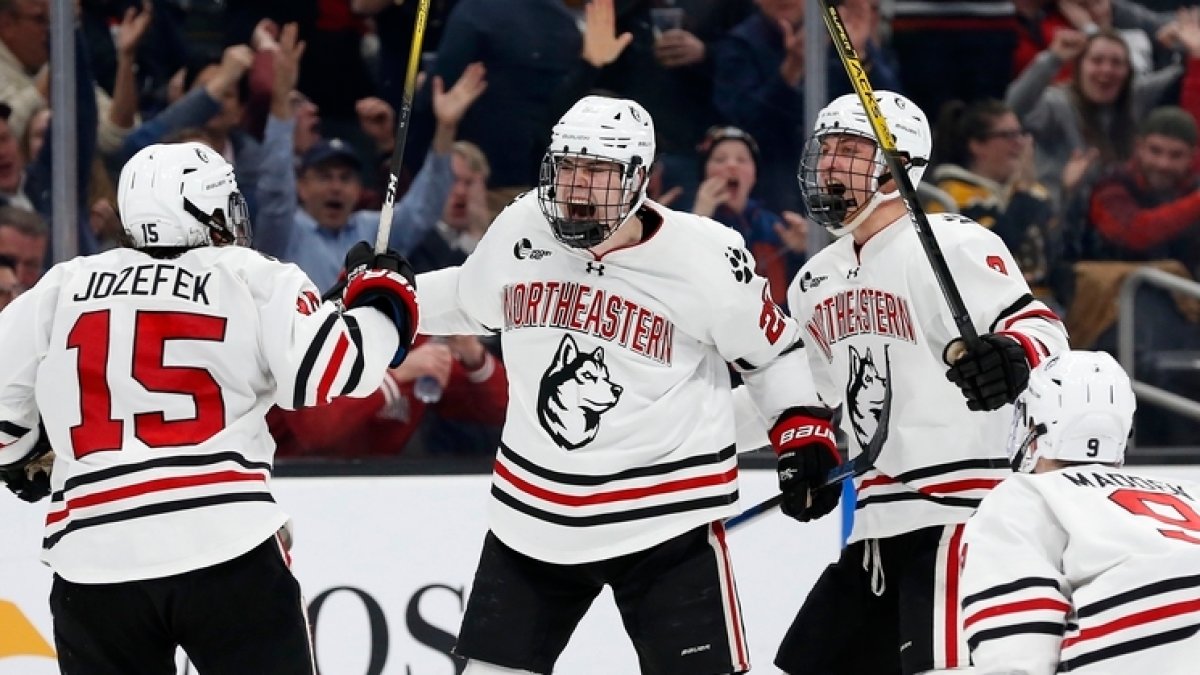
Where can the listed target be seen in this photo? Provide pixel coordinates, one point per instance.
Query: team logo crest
(869, 397)
(574, 393)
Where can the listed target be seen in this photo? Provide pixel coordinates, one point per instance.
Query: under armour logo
(853, 273)
(598, 268)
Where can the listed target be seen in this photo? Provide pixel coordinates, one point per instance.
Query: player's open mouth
(836, 189)
(581, 211)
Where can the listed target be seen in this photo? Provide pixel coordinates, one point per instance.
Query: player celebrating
(1082, 566)
(876, 327)
(617, 462)
(153, 367)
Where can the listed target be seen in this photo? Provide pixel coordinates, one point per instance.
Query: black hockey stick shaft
(402, 119)
(836, 475)
(883, 135)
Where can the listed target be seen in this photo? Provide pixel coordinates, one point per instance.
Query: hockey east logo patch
(575, 391)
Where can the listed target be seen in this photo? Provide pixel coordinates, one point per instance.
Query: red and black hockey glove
(807, 450)
(386, 282)
(990, 374)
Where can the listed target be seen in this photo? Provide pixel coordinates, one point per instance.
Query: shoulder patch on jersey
(739, 262)
(809, 281)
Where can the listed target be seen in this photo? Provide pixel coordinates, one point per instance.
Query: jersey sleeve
(465, 300)
(1014, 595)
(442, 312)
(24, 336)
(317, 352)
(995, 293)
(754, 334)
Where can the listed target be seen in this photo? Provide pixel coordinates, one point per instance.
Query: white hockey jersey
(153, 378)
(875, 324)
(1087, 569)
(620, 427)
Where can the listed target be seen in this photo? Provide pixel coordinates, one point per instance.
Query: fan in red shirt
(474, 386)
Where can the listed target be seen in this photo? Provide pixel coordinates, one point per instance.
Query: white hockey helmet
(829, 205)
(1078, 407)
(181, 195)
(605, 129)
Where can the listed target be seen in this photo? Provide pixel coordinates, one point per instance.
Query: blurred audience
(24, 238)
(10, 288)
(474, 393)
(465, 217)
(984, 160)
(730, 157)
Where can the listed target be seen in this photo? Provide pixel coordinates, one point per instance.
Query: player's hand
(29, 478)
(804, 442)
(991, 373)
(386, 282)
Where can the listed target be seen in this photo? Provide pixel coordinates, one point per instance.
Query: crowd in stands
(1069, 127)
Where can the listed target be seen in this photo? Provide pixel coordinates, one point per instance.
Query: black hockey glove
(804, 442)
(29, 478)
(386, 282)
(991, 374)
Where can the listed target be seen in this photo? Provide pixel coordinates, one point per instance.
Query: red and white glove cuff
(372, 281)
(797, 429)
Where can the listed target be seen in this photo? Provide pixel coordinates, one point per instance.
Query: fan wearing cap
(327, 186)
(1075, 564)
(729, 161)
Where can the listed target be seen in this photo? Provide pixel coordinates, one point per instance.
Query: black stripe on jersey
(1040, 627)
(616, 516)
(356, 369)
(155, 510)
(743, 365)
(965, 502)
(310, 360)
(14, 430)
(1135, 645)
(638, 472)
(948, 467)
(1156, 588)
(1010, 587)
(159, 463)
(1021, 303)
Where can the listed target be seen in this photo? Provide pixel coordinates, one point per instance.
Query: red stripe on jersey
(1039, 313)
(959, 486)
(331, 369)
(614, 495)
(1032, 354)
(158, 485)
(953, 567)
(1138, 619)
(1032, 605)
(731, 595)
(881, 479)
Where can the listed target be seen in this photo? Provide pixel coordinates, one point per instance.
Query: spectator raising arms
(317, 235)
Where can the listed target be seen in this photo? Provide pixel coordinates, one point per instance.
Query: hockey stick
(406, 103)
(839, 473)
(883, 136)
(864, 462)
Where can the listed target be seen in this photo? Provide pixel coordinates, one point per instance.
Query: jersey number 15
(98, 430)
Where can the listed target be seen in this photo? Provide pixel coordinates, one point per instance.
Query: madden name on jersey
(1095, 479)
(162, 279)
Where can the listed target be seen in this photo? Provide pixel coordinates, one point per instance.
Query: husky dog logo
(574, 393)
(869, 396)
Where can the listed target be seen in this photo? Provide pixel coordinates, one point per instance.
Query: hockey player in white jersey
(1075, 564)
(618, 318)
(877, 329)
(152, 367)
